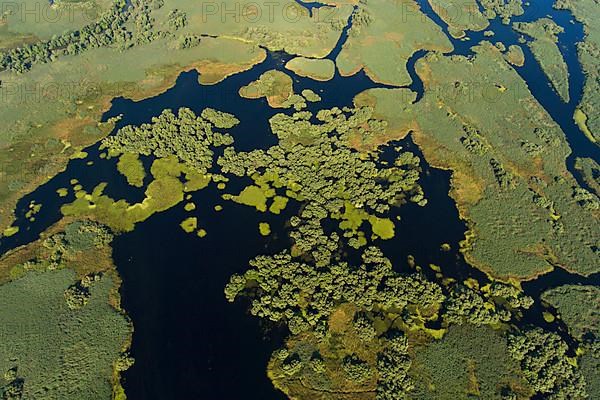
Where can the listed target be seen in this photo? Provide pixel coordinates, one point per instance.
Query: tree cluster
(546, 365)
(108, 30)
(484, 307)
(185, 135)
(314, 164)
(355, 369)
(303, 296)
(393, 364)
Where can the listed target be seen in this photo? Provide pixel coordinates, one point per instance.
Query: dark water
(190, 343)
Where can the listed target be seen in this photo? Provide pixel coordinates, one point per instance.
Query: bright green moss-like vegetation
(132, 168)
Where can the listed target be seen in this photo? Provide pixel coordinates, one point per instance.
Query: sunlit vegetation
(506, 159)
(49, 126)
(317, 69)
(587, 12)
(502, 9)
(384, 35)
(58, 351)
(546, 365)
(190, 224)
(515, 55)
(468, 362)
(185, 135)
(132, 168)
(460, 16)
(79, 245)
(545, 50)
(164, 192)
(349, 187)
(275, 86)
(303, 295)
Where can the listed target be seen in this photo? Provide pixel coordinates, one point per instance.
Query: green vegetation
(350, 187)
(384, 35)
(275, 85)
(132, 168)
(185, 135)
(581, 120)
(590, 171)
(317, 69)
(304, 295)
(253, 196)
(468, 362)
(460, 16)
(264, 228)
(503, 9)
(515, 55)
(164, 192)
(546, 365)
(545, 50)
(579, 307)
(56, 351)
(587, 13)
(525, 211)
(190, 224)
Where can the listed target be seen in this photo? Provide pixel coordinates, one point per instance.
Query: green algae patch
(253, 196)
(264, 228)
(10, 231)
(581, 120)
(317, 69)
(189, 225)
(131, 167)
(196, 181)
(279, 203)
(164, 192)
(382, 227)
(275, 86)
